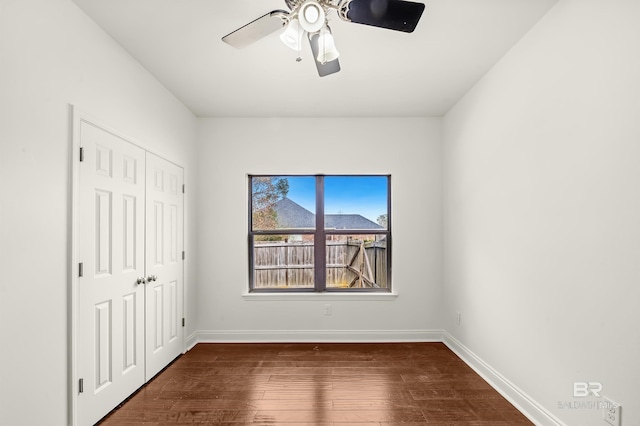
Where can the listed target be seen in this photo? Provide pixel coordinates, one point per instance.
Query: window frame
(320, 238)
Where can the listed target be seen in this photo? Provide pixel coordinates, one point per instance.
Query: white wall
(542, 210)
(408, 149)
(52, 56)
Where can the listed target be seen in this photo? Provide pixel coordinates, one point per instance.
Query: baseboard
(191, 341)
(525, 404)
(313, 336)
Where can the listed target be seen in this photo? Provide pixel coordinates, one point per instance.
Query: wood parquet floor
(317, 384)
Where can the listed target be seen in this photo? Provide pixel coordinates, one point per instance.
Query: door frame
(77, 117)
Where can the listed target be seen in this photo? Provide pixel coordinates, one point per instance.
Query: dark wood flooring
(318, 384)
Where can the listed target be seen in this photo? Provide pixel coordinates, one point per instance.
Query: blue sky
(365, 195)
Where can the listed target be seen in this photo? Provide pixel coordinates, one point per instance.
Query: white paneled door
(163, 264)
(130, 288)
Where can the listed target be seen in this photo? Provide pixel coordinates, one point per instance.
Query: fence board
(279, 264)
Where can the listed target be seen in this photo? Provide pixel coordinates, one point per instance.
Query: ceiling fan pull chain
(299, 58)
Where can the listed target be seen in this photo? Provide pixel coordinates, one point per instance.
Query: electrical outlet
(611, 412)
(458, 317)
(328, 309)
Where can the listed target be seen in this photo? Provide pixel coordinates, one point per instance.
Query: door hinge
(81, 154)
(80, 269)
(183, 188)
(183, 322)
(183, 255)
(80, 385)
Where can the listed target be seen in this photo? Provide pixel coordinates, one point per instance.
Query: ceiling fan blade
(327, 68)
(396, 15)
(255, 30)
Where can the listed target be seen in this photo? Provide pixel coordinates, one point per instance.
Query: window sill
(319, 296)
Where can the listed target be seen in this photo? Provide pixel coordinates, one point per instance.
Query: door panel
(164, 222)
(111, 246)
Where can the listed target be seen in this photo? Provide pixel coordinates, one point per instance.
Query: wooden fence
(352, 263)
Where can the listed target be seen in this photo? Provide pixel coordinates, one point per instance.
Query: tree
(266, 191)
(383, 220)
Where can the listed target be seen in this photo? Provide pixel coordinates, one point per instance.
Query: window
(319, 233)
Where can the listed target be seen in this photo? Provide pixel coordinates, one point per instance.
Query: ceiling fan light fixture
(292, 35)
(311, 16)
(327, 51)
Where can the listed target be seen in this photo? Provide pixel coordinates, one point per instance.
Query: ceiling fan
(309, 17)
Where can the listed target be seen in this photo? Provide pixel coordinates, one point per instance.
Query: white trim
(191, 341)
(74, 258)
(312, 297)
(315, 336)
(523, 402)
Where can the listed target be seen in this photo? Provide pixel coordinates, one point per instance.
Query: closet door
(164, 264)
(110, 323)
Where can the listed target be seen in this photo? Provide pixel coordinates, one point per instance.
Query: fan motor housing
(311, 16)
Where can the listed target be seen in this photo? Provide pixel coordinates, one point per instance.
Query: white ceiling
(384, 72)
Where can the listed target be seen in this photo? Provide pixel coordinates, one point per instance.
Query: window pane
(283, 261)
(356, 202)
(356, 261)
(282, 202)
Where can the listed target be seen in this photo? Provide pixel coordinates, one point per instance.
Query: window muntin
(345, 248)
